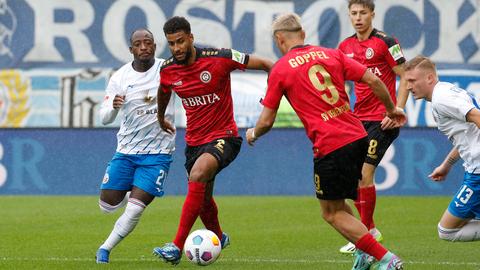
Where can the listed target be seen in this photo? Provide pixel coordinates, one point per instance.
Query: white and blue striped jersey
(450, 105)
(139, 132)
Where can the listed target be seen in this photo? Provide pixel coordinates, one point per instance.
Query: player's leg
(202, 164)
(458, 223)
(115, 187)
(378, 142)
(115, 184)
(111, 200)
(125, 224)
(368, 195)
(369, 250)
(148, 182)
(225, 150)
(202, 170)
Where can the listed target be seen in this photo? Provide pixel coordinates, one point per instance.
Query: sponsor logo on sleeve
(395, 52)
(238, 57)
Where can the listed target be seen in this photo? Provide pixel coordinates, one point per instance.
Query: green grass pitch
(50, 232)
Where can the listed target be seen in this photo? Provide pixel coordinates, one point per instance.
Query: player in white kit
(457, 115)
(138, 169)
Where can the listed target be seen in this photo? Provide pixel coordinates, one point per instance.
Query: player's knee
(108, 208)
(328, 217)
(447, 234)
(197, 176)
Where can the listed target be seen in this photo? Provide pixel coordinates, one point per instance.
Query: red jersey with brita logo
(312, 79)
(205, 91)
(380, 53)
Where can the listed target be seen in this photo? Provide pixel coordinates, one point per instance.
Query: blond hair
(288, 22)
(421, 62)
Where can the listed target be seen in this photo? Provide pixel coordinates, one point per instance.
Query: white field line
(264, 260)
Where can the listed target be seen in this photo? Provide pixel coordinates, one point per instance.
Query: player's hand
(398, 116)
(118, 101)
(250, 136)
(166, 126)
(388, 123)
(439, 173)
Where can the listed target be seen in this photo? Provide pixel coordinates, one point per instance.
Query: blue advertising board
(73, 161)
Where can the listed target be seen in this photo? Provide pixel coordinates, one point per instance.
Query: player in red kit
(312, 78)
(383, 56)
(201, 78)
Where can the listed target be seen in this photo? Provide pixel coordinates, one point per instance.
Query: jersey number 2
(328, 90)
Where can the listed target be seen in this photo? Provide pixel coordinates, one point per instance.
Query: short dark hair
(176, 24)
(366, 3)
(140, 29)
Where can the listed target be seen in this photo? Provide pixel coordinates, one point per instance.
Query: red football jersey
(312, 79)
(380, 53)
(205, 90)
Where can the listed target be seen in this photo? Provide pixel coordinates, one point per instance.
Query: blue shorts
(466, 203)
(146, 172)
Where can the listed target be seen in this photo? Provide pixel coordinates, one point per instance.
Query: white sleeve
(455, 104)
(107, 112)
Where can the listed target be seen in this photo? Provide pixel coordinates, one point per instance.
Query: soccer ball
(202, 247)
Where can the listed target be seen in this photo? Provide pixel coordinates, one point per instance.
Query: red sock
(190, 211)
(209, 216)
(369, 245)
(358, 202)
(369, 196)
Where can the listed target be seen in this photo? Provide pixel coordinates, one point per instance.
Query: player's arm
(162, 102)
(111, 104)
(441, 171)
(474, 116)
(380, 90)
(402, 93)
(264, 124)
(259, 63)
(402, 96)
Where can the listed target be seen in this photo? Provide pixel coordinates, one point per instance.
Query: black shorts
(336, 175)
(225, 150)
(378, 141)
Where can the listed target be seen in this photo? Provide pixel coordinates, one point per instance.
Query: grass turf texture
(39, 232)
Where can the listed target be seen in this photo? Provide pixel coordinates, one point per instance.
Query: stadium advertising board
(72, 161)
(56, 56)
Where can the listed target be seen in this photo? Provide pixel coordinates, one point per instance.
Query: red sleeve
(352, 70)
(341, 46)
(164, 84)
(274, 90)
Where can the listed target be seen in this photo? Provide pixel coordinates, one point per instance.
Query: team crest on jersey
(105, 178)
(369, 53)
(205, 76)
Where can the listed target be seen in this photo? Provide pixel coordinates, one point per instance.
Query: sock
(107, 208)
(358, 202)
(190, 211)
(369, 198)
(469, 232)
(209, 216)
(369, 245)
(125, 223)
